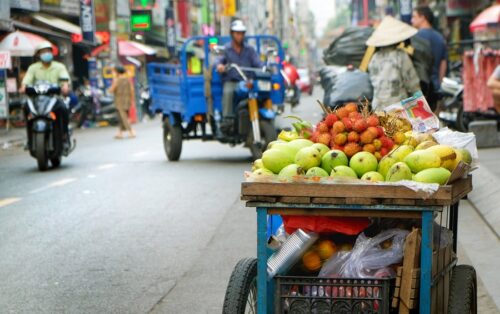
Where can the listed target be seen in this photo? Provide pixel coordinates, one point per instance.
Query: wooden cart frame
(353, 200)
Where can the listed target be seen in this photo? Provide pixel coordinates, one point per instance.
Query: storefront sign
(5, 60)
(30, 5)
(87, 20)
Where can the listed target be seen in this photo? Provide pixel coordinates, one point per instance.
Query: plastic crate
(332, 295)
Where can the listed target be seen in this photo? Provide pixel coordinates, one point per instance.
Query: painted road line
(91, 176)
(106, 166)
(53, 184)
(8, 201)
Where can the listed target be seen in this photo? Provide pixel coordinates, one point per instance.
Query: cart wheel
(172, 140)
(241, 293)
(463, 291)
(267, 135)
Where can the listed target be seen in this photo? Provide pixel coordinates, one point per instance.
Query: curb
(485, 197)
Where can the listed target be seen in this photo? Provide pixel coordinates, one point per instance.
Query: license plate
(264, 86)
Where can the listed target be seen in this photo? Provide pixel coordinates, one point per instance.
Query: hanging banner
(87, 20)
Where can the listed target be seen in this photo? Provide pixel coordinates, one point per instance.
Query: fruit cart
(438, 286)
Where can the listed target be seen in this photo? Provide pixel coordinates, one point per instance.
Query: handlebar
(241, 69)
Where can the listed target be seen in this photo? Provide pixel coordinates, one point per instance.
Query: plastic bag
(416, 110)
(349, 48)
(290, 252)
(345, 225)
(350, 86)
(457, 139)
(367, 257)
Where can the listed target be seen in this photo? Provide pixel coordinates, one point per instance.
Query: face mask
(46, 57)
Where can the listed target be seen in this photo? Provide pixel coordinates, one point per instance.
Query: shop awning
(57, 23)
(39, 30)
(127, 48)
(23, 44)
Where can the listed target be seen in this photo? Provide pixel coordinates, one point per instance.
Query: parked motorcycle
(292, 91)
(45, 129)
(451, 108)
(145, 102)
(83, 110)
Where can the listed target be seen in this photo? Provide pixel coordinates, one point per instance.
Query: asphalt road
(119, 229)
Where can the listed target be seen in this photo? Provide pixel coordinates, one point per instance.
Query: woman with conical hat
(391, 70)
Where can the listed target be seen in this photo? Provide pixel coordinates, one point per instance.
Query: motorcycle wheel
(40, 153)
(172, 140)
(267, 135)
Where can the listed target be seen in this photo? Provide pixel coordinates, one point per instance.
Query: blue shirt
(247, 57)
(439, 51)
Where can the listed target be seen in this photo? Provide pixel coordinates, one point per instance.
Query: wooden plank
(267, 199)
(342, 213)
(410, 261)
(358, 193)
(295, 199)
(338, 190)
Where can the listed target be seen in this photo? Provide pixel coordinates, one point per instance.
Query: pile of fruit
(348, 143)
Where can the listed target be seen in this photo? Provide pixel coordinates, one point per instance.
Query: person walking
(123, 90)
(391, 70)
(423, 19)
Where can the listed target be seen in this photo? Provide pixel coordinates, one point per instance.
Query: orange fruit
(326, 248)
(311, 261)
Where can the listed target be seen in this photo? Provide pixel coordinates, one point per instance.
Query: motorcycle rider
(237, 52)
(48, 70)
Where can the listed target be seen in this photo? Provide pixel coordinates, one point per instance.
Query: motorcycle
(254, 123)
(83, 110)
(145, 102)
(451, 108)
(292, 91)
(45, 130)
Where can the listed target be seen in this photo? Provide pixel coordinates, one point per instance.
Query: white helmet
(43, 45)
(238, 26)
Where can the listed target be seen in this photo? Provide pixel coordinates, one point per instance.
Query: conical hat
(390, 31)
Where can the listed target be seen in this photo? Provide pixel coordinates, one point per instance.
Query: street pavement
(119, 229)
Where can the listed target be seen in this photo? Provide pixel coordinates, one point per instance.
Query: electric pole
(113, 41)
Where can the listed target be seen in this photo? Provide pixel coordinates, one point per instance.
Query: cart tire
(40, 152)
(241, 293)
(463, 291)
(267, 134)
(172, 140)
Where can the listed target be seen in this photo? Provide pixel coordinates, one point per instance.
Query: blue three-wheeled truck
(189, 95)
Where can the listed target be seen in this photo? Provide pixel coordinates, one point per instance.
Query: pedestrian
(123, 90)
(494, 86)
(423, 19)
(391, 70)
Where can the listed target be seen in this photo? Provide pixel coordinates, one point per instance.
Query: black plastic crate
(302, 295)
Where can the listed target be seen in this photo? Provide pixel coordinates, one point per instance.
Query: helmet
(238, 26)
(43, 45)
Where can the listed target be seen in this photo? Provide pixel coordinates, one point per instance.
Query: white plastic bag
(367, 257)
(456, 139)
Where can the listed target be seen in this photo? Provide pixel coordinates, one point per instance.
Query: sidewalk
(12, 137)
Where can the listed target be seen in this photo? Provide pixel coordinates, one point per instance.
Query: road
(118, 229)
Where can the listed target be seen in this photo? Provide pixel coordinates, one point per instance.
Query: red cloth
(319, 224)
(477, 96)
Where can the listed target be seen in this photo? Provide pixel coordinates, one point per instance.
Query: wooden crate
(351, 194)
